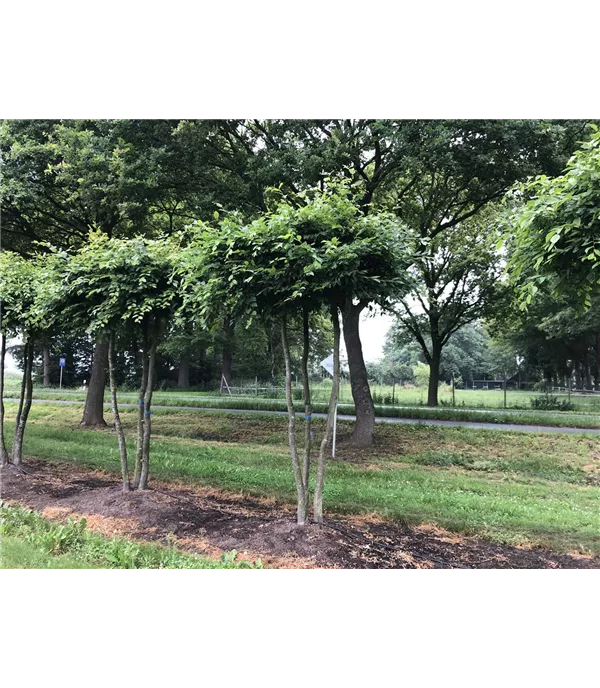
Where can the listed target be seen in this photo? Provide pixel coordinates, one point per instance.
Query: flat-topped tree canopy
(110, 284)
(315, 249)
(18, 290)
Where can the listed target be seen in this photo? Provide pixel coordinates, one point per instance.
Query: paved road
(405, 421)
(425, 409)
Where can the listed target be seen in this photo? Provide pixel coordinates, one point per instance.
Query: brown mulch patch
(209, 521)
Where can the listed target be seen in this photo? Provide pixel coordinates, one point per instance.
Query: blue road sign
(63, 362)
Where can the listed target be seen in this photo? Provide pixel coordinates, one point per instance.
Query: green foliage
(324, 251)
(549, 402)
(18, 280)
(527, 485)
(557, 229)
(61, 178)
(421, 374)
(113, 284)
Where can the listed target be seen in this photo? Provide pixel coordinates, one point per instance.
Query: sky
(372, 334)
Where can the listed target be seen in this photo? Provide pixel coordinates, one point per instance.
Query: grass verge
(508, 417)
(32, 542)
(508, 486)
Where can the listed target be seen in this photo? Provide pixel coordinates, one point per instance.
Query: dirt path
(209, 521)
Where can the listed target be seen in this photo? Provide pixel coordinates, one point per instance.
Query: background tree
(458, 276)
(63, 178)
(459, 169)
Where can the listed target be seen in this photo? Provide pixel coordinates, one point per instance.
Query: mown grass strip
(30, 541)
(502, 485)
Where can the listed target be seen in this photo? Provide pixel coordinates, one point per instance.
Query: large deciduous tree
(63, 178)
(457, 274)
(444, 192)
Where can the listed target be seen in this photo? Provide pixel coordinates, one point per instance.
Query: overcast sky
(372, 334)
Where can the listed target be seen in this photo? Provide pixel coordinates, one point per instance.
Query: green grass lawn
(508, 486)
(491, 415)
(32, 542)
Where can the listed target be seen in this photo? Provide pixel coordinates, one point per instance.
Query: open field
(504, 487)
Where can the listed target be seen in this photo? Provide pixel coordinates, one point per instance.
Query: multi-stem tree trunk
(597, 374)
(228, 333)
(301, 492)
(3, 450)
(434, 373)
(24, 404)
(93, 413)
(116, 416)
(272, 338)
(143, 484)
(307, 406)
(588, 376)
(46, 358)
(333, 400)
(140, 420)
(183, 374)
(359, 381)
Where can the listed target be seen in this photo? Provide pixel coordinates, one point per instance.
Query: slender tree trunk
(578, 376)
(272, 355)
(588, 376)
(228, 331)
(24, 405)
(359, 380)
(301, 518)
(147, 413)
(183, 379)
(307, 407)
(46, 357)
(434, 373)
(597, 378)
(23, 387)
(3, 450)
(93, 413)
(117, 418)
(333, 399)
(140, 419)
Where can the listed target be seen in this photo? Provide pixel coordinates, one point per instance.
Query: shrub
(548, 402)
(167, 384)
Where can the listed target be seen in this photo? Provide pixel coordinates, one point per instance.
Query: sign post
(62, 363)
(327, 363)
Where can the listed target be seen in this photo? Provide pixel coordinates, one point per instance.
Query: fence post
(504, 389)
(453, 396)
(393, 392)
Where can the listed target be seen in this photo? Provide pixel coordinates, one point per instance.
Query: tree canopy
(556, 245)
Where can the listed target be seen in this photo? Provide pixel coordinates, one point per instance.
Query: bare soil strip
(209, 521)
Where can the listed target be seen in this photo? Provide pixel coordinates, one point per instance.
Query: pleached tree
(112, 289)
(313, 252)
(23, 315)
